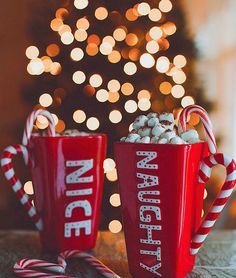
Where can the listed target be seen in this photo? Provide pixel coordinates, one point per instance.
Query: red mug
(67, 175)
(161, 200)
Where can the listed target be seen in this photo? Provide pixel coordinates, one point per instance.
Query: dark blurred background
(97, 65)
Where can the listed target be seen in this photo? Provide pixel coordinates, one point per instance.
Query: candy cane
(222, 198)
(205, 120)
(6, 163)
(30, 122)
(98, 265)
(22, 267)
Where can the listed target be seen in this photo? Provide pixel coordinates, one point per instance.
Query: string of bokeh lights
(119, 46)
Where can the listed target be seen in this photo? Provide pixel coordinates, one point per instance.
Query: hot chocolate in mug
(67, 175)
(162, 188)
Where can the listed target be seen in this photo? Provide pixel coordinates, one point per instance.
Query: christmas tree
(96, 65)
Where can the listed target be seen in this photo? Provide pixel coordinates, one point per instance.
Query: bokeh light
(95, 80)
(60, 127)
(115, 116)
(127, 89)
(55, 118)
(56, 23)
(113, 97)
(179, 77)
(131, 106)
(77, 54)
(101, 13)
(119, 34)
(92, 123)
(79, 116)
(45, 100)
(131, 14)
(112, 175)
(152, 47)
(144, 94)
(155, 33)
(55, 68)
(79, 77)
(165, 88)
(92, 49)
(144, 104)
(102, 95)
(115, 200)
(130, 68)
(114, 56)
(180, 61)
(42, 122)
(81, 35)
(28, 187)
(113, 85)
(67, 38)
(105, 48)
(82, 23)
(64, 28)
(108, 165)
(147, 60)
(81, 4)
(187, 101)
(94, 39)
(143, 8)
(154, 15)
(165, 6)
(177, 91)
(115, 226)
(32, 52)
(131, 39)
(162, 64)
(35, 67)
(61, 13)
(53, 50)
(169, 28)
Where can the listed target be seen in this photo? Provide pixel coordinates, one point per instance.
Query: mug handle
(9, 172)
(221, 199)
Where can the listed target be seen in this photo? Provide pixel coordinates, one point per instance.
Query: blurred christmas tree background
(96, 65)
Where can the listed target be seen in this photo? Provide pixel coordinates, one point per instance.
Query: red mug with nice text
(67, 175)
(162, 193)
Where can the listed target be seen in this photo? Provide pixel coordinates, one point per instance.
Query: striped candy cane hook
(183, 118)
(30, 122)
(23, 267)
(222, 198)
(9, 172)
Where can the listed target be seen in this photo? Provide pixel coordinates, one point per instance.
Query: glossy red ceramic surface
(67, 175)
(161, 205)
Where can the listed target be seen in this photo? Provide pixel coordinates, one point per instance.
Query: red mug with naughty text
(67, 175)
(162, 190)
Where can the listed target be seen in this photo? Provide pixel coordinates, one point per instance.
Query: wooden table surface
(216, 259)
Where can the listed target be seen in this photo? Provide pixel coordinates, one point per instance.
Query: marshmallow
(166, 117)
(152, 122)
(144, 131)
(194, 140)
(152, 115)
(163, 141)
(158, 130)
(177, 140)
(168, 134)
(145, 139)
(167, 125)
(122, 139)
(189, 134)
(155, 139)
(140, 121)
(132, 138)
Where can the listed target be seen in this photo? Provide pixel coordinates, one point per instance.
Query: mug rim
(93, 135)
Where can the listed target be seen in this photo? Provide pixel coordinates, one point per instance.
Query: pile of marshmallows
(159, 129)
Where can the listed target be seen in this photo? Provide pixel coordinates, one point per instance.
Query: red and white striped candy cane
(7, 166)
(98, 265)
(222, 198)
(30, 122)
(23, 267)
(183, 118)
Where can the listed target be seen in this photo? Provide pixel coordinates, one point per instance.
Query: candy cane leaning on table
(220, 201)
(7, 166)
(22, 267)
(183, 118)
